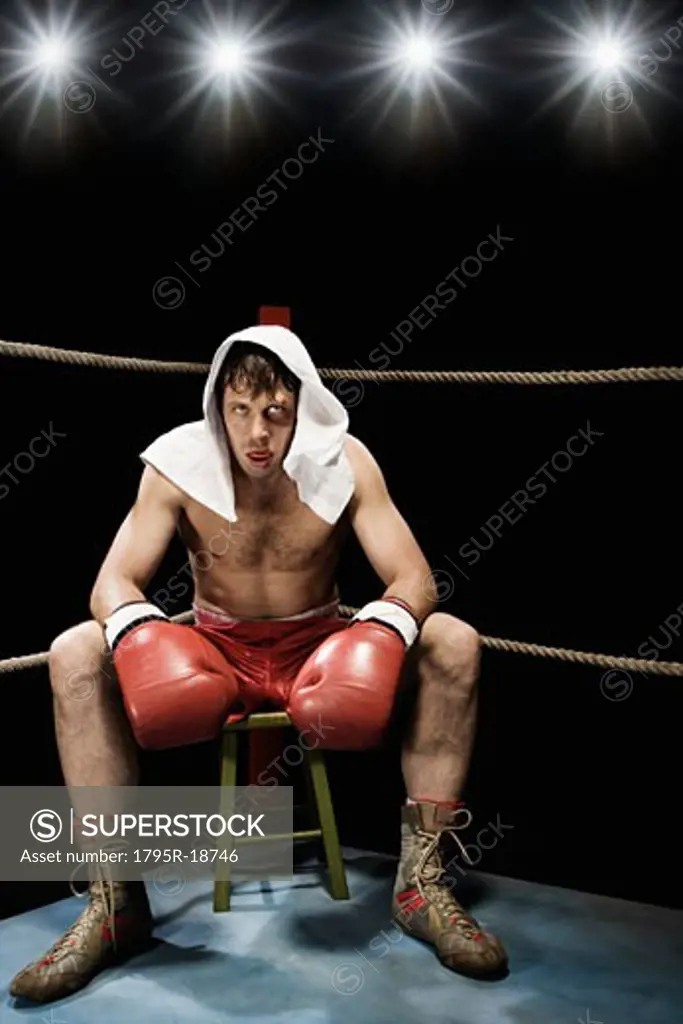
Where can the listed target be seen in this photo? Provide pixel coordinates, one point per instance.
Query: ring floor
(286, 952)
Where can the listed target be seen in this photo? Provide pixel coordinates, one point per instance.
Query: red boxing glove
(177, 687)
(345, 691)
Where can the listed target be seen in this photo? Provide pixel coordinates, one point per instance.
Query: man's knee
(450, 644)
(78, 661)
(85, 639)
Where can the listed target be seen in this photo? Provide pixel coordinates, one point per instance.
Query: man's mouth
(259, 459)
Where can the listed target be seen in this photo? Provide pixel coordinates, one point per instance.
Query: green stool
(316, 775)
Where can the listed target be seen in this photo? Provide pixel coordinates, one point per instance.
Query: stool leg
(229, 750)
(328, 825)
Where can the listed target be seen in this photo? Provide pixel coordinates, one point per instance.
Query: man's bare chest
(286, 540)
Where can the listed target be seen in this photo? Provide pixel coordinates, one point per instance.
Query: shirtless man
(273, 577)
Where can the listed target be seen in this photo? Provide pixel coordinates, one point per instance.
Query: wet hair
(257, 368)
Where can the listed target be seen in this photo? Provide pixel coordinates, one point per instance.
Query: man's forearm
(110, 594)
(417, 590)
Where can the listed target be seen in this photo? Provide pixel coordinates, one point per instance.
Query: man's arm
(139, 546)
(386, 538)
(176, 685)
(351, 680)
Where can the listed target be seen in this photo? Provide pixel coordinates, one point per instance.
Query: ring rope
(657, 668)
(631, 373)
(624, 374)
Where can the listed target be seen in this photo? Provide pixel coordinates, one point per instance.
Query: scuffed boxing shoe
(116, 923)
(423, 904)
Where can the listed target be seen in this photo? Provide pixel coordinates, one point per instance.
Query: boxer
(267, 631)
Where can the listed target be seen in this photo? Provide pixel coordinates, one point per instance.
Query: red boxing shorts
(266, 655)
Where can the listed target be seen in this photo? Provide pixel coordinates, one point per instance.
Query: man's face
(259, 429)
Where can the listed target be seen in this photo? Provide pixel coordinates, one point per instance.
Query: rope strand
(615, 376)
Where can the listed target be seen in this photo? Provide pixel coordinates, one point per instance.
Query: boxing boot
(423, 904)
(116, 923)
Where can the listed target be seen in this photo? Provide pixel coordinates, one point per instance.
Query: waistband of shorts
(324, 611)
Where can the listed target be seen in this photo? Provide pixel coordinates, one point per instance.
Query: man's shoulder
(175, 457)
(357, 452)
(157, 485)
(366, 470)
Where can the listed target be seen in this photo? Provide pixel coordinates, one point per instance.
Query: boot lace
(429, 871)
(74, 935)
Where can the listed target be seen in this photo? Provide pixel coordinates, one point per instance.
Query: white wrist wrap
(393, 615)
(120, 621)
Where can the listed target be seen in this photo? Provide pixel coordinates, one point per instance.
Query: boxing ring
(293, 954)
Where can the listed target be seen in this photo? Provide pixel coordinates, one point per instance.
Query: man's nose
(259, 431)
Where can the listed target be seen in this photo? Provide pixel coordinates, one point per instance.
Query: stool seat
(258, 720)
(319, 802)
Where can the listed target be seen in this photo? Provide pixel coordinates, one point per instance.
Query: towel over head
(196, 456)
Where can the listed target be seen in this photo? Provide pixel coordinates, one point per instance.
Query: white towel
(195, 456)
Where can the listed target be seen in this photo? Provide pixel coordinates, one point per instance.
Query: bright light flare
(597, 52)
(46, 55)
(607, 56)
(41, 58)
(415, 64)
(417, 58)
(415, 69)
(53, 53)
(43, 53)
(419, 53)
(227, 66)
(597, 58)
(230, 63)
(228, 57)
(227, 61)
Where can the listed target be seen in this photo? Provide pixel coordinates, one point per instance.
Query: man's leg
(94, 738)
(435, 760)
(436, 753)
(96, 748)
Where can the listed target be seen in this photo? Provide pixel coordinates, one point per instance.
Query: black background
(98, 211)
